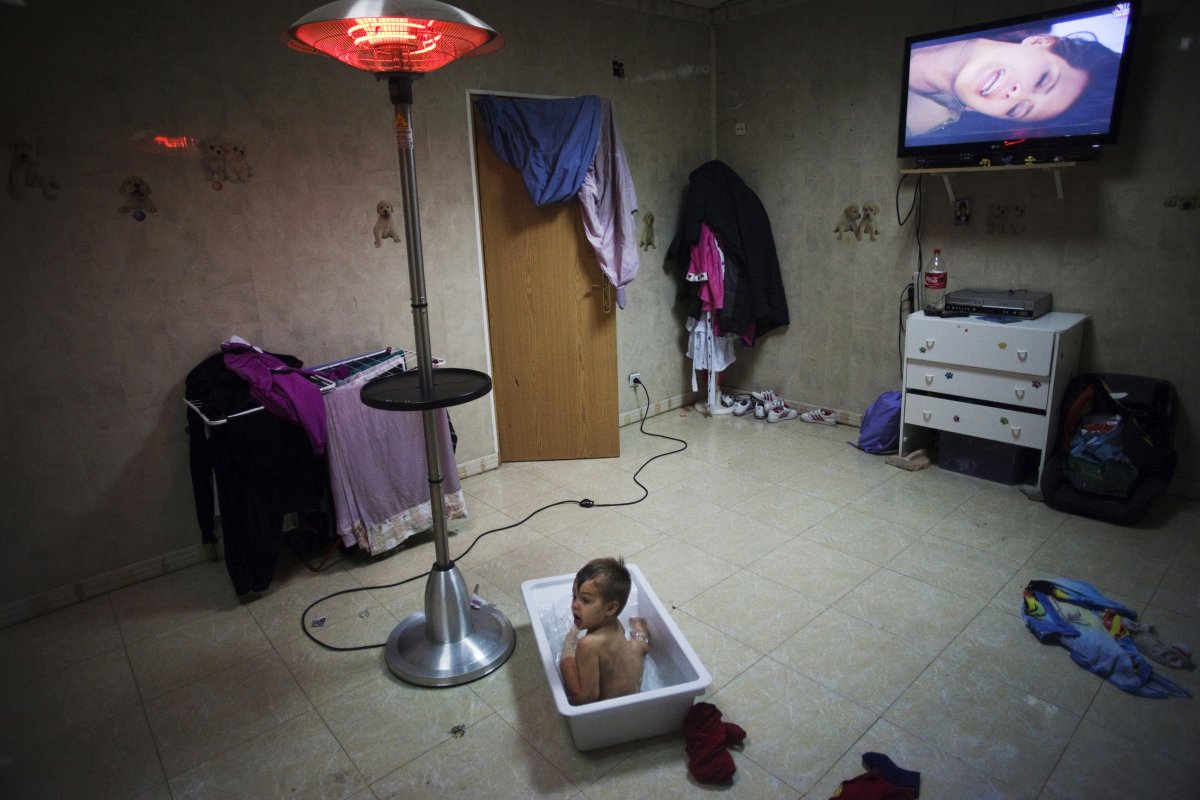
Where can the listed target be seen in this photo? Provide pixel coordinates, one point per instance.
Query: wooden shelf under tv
(946, 172)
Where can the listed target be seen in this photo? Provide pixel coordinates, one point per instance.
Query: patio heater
(452, 642)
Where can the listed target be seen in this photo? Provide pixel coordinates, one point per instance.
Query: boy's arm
(581, 673)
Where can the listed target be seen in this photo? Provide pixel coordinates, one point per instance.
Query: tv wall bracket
(1054, 167)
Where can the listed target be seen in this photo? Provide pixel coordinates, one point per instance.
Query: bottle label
(935, 280)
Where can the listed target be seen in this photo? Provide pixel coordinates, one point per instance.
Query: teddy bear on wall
(384, 228)
(867, 225)
(849, 221)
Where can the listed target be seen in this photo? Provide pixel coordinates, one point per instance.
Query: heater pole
(400, 89)
(455, 640)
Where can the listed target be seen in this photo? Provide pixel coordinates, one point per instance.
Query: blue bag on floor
(880, 431)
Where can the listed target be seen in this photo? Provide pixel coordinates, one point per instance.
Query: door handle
(1020, 393)
(605, 296)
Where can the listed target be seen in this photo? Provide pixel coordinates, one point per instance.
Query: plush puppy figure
(383, 225)
(867, 225)
(646, 232)
(24, 172)
(236, 165)
(137, 196)
(997, 218)
(849, 221)
(212, 161)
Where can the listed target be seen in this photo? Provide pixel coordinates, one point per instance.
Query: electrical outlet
(739, 129)
(635, 378)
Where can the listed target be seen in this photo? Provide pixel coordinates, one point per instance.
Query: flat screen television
(1047, 85)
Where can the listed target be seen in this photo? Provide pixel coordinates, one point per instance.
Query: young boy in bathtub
(602, 664)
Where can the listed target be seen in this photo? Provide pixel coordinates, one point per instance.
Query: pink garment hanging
(377, 469)
(707, 268)
(607, 201)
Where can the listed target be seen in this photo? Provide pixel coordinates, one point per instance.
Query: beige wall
(104, 315)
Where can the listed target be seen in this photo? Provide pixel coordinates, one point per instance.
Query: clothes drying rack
(356, 364)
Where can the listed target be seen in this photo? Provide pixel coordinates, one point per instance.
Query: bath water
(556, 621)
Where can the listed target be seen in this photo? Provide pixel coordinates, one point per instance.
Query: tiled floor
(842, 606)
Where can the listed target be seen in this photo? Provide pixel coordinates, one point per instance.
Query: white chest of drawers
(997, 381)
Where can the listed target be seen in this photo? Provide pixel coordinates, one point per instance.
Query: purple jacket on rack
(282, 390)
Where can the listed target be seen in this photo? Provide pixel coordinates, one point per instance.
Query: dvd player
(1001, 302)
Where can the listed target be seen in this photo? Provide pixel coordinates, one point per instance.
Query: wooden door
(552, 322)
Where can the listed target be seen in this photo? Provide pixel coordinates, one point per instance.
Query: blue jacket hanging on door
(550, 142)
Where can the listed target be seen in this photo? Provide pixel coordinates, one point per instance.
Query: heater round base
(415, 658)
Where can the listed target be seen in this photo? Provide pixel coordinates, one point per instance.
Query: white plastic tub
(671, 664)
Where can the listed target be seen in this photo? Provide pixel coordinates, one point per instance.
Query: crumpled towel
(706, 739)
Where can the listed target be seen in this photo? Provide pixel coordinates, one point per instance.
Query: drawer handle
(1020, 393)
(929, 377)
(1022, 354)
(929, 343)
(1016, 431)
(927, 414)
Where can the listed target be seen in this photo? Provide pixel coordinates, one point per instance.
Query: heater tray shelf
(452, 386)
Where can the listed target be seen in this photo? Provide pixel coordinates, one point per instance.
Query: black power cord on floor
(584, 503)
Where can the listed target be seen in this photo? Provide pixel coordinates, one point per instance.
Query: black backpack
(1146, 407)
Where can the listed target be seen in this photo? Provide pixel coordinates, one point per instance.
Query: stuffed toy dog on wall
(383, 225)
(137, 196)
(212, 161)
(25, 172)
(849, 221)
(646, 232)
(237, 168)
(867, 225)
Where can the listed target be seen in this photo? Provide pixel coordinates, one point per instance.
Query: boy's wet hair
(610, 577)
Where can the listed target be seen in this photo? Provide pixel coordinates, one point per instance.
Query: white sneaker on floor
(743, 405)
(765, 396)
(820, 415)
(781, 413)
(760, 411)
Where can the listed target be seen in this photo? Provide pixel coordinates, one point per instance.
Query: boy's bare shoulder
(601, 640)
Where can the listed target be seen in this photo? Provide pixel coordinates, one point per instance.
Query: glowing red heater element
(174, 142)
(390, 44)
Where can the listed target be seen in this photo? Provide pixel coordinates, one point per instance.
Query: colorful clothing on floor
(1073, 614)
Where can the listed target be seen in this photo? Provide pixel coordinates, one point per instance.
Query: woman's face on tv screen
(1018, 80)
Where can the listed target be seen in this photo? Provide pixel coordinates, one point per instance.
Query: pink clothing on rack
(708, 261)
(377, 472)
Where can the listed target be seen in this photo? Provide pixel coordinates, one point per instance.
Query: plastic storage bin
(983, 458)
